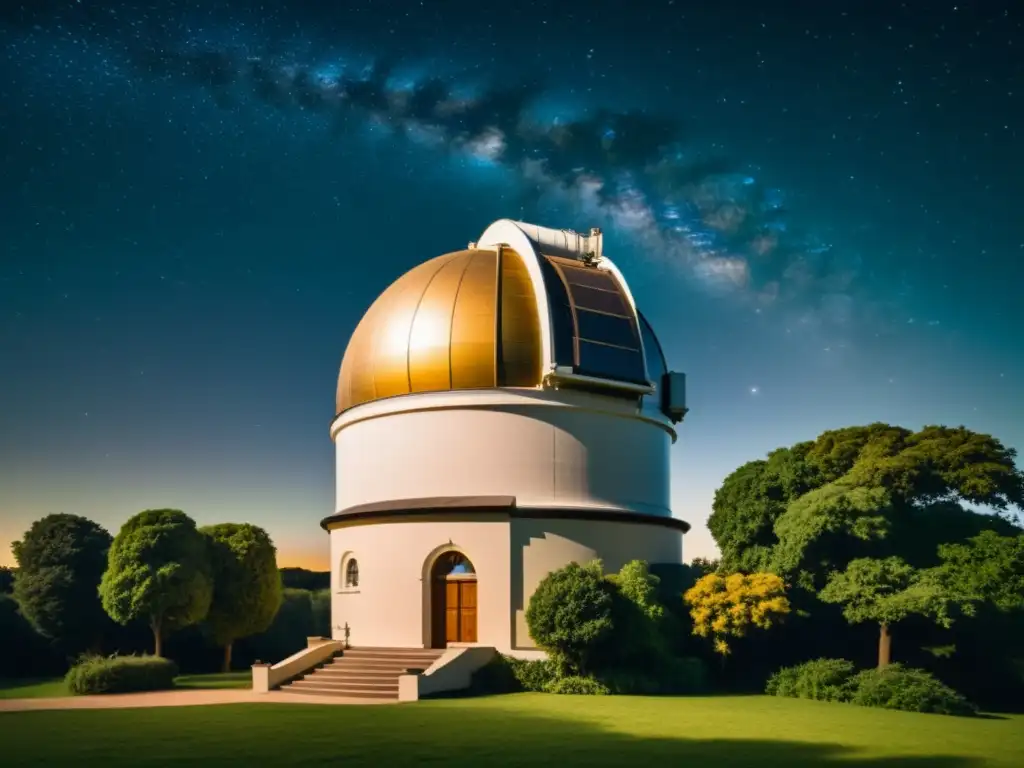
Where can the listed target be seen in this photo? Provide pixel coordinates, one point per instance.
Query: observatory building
(502, 411)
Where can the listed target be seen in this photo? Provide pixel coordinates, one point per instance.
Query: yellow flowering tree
(728, 606)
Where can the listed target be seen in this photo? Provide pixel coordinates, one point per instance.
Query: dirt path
(173, 699)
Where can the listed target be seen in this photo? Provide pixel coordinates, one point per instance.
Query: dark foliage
(61, 560)
(23, 651)
(295, 621)
(300, 578)
(6, 580)
(673, 677)
(121, 674)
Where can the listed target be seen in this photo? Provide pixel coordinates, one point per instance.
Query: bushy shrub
(570, 616)
(121, 674)
(639, 640)
(575, 685)
(912, 690)
(891, 687)
(505, 674)
(534, 675)
(821, 680)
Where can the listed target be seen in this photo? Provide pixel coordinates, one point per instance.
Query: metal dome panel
(465, 320)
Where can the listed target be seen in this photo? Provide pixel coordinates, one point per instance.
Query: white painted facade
(391, 605)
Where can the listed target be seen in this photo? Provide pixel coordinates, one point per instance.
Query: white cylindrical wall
(511, 556)
(542, 453)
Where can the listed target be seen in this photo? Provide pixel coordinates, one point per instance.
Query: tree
(729, 606)
(988, 568)
(570, 615)
(889, 590)
(158, 569)
(749, 502)
(871, 491)
(61, 560)
(246, 583)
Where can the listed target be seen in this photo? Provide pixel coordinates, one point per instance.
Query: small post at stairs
(346, 631)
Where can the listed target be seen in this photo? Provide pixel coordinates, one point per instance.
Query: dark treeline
(304, 612)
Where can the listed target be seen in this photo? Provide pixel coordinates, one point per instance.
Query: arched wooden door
(453, 601)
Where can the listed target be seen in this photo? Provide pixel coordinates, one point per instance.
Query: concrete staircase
(365, 673)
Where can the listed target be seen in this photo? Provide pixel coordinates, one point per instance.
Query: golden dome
(465, 320)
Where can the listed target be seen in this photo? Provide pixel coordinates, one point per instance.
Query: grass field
(518, 730)
(44, 689)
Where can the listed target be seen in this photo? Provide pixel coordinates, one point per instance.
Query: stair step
(388, 655)
(334, 674)
(380, 666)
(353, 684)
(401, 661)
(342, 692)
(423, 651)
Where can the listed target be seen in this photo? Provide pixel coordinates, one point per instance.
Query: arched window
(351, 573)
(453, 564)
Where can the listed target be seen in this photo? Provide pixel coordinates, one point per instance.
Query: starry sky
(817, 205)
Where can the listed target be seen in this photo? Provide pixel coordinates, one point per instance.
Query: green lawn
(32, 689)
(41, 689)
(523, 730)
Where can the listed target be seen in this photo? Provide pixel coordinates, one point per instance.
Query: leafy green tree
(158, 569)
(988, 568)
(871, 491)
(570, 615)
(61, 560)
(887, 591)
(246, 583)
(749, 502)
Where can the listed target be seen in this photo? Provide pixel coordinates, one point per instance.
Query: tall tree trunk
(158, 645)
(227, 658)
(884, 646)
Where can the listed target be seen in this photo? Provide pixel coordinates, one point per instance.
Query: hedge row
(121, 674)
(891, 687)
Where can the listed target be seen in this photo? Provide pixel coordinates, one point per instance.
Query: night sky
(817, 205)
